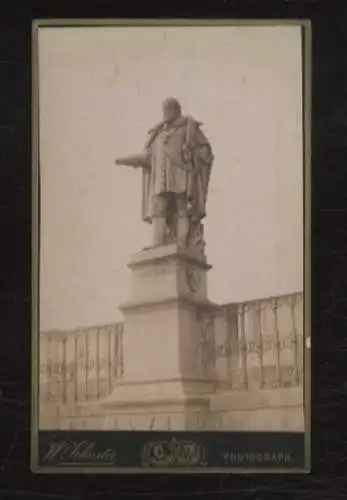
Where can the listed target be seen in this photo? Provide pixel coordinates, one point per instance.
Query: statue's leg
(183, 220)
(159, 220)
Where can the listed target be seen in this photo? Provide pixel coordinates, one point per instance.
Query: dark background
(329, 249)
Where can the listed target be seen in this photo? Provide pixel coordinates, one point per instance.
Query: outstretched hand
(134, 164)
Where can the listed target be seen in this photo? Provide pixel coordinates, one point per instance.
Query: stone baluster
(242, 310)
(293, 303)
(49, 367)
(121, 359)
(116, 353)
(64, 369)
(110, 371)
(98, 363)
(230, 318)
(275, 305)
(76, 366)
(87, 364)
(260, 343)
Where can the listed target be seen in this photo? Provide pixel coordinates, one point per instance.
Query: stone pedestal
(168, 331)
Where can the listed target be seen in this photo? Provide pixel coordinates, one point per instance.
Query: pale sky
(101, 89)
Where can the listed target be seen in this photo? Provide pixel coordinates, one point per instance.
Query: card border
(305, 25)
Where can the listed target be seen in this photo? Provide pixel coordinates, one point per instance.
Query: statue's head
(171, 109)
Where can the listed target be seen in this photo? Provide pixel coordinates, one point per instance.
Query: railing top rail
(82, 329)
(263, 299)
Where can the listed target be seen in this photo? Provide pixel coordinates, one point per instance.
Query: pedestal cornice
(174, 252)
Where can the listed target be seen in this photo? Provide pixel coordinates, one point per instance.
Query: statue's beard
(170, 119)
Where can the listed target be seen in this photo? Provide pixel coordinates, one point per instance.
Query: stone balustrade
(81, 364)
(259, 344)
(253, 352)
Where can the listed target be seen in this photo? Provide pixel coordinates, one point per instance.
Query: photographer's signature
(76, 452)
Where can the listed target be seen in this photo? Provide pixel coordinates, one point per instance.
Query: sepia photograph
(171, 257)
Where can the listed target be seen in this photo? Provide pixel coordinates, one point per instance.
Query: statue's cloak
(189, 150)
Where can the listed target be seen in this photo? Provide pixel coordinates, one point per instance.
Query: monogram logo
(173, 453)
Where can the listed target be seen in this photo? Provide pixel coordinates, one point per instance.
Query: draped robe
(178, 159)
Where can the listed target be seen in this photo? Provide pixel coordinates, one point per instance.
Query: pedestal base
(169, 405)
(167, 378)
(147, 406)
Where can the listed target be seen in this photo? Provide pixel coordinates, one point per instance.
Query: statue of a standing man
(176, 168)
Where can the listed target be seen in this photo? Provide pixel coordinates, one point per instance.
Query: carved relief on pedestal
(193, 278)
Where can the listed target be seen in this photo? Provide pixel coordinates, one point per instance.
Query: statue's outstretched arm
(139, 160)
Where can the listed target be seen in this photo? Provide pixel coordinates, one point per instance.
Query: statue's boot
(182, 231)
(159, 226)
